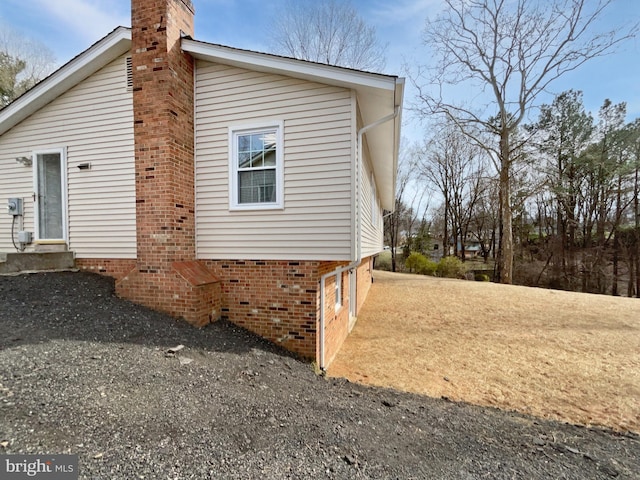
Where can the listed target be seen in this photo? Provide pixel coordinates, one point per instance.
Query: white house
(207, 180)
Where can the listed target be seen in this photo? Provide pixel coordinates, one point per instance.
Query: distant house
(437, 248)
(472, 249)
(207, 180)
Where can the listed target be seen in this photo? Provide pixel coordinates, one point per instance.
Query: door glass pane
(50, 196)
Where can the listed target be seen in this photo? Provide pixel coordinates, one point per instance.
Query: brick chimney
(167, 276)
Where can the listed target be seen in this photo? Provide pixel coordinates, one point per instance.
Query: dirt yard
(567, 356)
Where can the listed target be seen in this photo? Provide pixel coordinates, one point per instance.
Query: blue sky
(69, 26)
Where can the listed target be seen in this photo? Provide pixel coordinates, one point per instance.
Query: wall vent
(129, 75)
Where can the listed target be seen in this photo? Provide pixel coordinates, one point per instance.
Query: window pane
(257, 186)
(244, 143)
(256, 161)
(269, 140)
(270, 158)
(257, 144)
(244, 159)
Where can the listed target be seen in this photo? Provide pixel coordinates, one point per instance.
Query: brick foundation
(172, 293)
(113, 267)
(280, 301)
(336, 321)
(277, 300)
(365, 279)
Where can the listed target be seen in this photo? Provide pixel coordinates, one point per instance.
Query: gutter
(356, 262)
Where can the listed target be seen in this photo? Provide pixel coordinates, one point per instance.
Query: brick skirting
(278, 300)
(113, 267)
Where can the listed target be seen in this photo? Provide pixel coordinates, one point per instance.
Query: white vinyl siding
(318, 131)
(94, 122)
(372, 229)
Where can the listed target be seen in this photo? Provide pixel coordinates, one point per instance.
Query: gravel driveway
(84, 372)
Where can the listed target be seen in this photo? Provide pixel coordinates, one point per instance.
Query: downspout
(354, 264)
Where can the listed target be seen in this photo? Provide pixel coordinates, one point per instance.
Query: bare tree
(484, 221)
(408, 203)
(327, 31)
(455, 167)
(23, 63)
(511, 51)
(394, 221)
(634, 257)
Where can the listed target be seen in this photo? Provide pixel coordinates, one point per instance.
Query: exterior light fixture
(26, 161)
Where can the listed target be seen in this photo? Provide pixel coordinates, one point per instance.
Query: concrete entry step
(36, 261)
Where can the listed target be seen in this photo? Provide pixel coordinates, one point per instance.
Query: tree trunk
(631, 282)
(616, 239)
(492, 245)
(393, 224)
(561, 224)
(637, 255)
(601, 240)
(571, 227)
(540, 217)
(616, 273)
(559, 250)
(456, 240)
(445, 239)
(636, 211)
(506, 239)
(571, 244)
(587, 254)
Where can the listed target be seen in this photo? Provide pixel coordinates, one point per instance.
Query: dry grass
(569, 356)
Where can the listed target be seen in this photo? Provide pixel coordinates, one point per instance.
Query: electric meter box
(24, 237)
(14, 206)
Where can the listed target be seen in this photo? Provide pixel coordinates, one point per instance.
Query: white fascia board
(291, 67)
(85, 64)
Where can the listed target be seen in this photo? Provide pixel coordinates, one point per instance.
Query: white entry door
(49, 195)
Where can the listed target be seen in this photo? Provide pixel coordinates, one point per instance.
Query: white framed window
(338, 290)
(256, 167)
